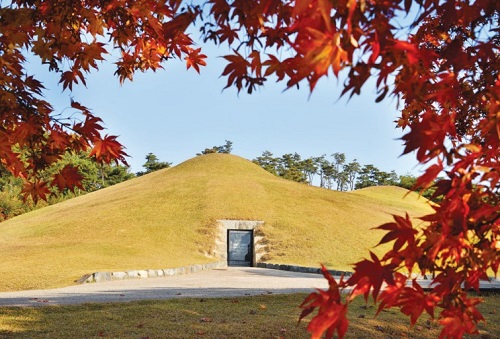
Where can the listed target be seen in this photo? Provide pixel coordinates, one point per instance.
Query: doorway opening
(240, 248)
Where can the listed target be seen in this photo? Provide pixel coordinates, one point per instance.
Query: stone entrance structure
(238, 242)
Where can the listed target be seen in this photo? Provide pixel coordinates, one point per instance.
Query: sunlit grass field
(167, 219)
(265, 316)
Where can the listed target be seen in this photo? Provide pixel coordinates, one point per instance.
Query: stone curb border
(315, 270)
(97, 277)
(301, 269)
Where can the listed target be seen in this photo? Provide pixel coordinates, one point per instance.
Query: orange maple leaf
(195, 59)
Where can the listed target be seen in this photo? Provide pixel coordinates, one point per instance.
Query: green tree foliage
(290, 168)
(409, 181)
(114, 174)
(352, 169)
(338, 176)
(293, 167)
(369, 175)
(310, 169)
(326, 172)
(227, 148)
(94, 176)
(153, 164)
(268, 162)
(11, 203)
(335, 174)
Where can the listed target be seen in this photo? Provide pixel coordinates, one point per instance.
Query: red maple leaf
(70, 77)
(195, 59)
(390, 295)
(332, 313)
(401, 231)
(461, 319)
(236, 70)
(69, 178)
(375, 46)
(414, 300)
(369, 276)
(89, 129)
(108, 149)
(409, 49)
(331, 318)
(58, 139)
(36, 190)
(426, 179)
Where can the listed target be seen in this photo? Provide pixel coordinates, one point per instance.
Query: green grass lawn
(269, 316)
(167, 219)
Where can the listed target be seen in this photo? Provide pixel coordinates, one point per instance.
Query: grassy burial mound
(167, 219)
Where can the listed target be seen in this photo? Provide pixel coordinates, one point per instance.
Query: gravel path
(212, 283)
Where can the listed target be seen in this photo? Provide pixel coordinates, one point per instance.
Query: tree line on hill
(335, 174)
(227, 148)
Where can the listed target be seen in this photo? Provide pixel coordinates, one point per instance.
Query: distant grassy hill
(164, 219)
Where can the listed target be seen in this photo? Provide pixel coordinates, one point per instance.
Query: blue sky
(175, 114)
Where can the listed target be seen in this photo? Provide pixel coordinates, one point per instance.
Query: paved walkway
(228, 282)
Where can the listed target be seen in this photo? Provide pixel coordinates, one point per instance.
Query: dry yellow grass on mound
(162, 219)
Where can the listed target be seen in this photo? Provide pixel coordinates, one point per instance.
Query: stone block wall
(221, 238)
(97, 277)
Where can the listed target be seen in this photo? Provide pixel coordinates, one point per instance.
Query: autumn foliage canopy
(439, 59)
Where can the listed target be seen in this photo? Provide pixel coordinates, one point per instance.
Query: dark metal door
(239, 248)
